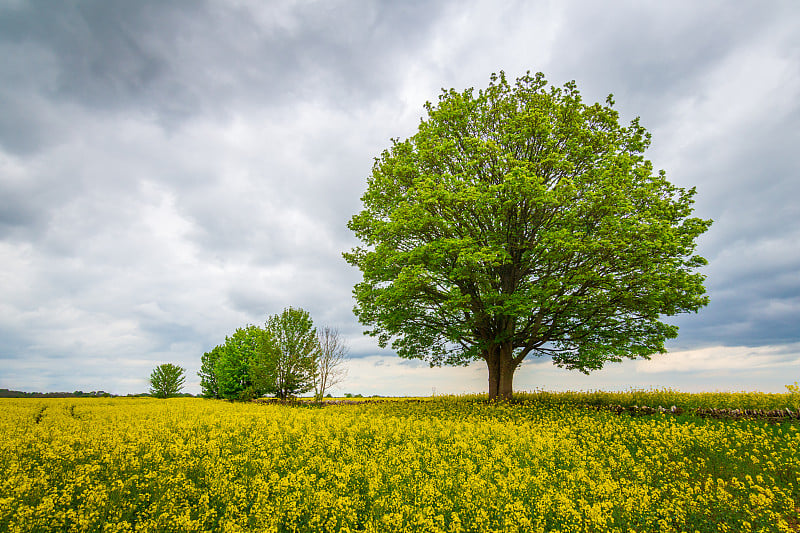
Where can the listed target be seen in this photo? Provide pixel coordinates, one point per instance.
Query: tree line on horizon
(7, 393)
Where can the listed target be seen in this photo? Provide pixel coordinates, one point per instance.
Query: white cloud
(714, 368)
(725, 359)
(393, 376)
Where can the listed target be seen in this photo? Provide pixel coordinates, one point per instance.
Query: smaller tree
(235, 366)
(286, 359)
(208, 372)
(330, 361)
(167, 380)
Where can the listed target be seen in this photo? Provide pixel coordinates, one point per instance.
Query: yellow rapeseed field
(439, 465)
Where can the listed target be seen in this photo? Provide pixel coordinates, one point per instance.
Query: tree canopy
(289, 359)
(167, 380)
(235, 361)
(285, 357)
(521, 221)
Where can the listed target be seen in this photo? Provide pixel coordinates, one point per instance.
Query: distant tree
(208, 372)
(520, 221)
(331, 356)
(286, 363)
(234, 366)
(167, 380)
(284, 358)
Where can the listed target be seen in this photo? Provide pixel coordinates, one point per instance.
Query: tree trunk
(501, 372)
(492, 361)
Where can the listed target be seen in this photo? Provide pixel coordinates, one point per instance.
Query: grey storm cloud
(181, 59)
(170, 171)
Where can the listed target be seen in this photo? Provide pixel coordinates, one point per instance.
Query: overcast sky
(172, 170)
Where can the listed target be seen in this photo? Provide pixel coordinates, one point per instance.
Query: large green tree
(518, 221)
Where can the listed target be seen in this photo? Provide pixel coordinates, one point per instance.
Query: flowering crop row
(668, 397)
(439, 465)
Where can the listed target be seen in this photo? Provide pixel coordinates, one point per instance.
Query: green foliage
(279, 358)
(288, 361)
(226, 371)
(522, 221)
(208, 375)
(167, 380)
